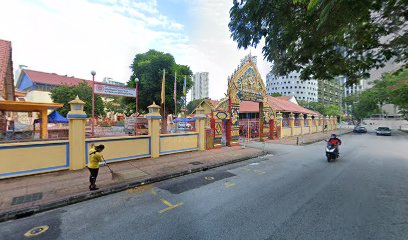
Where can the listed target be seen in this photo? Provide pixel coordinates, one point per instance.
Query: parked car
(360, 129)
(383, 131)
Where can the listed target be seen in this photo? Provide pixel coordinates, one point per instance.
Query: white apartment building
(200, 86)
(291, 85)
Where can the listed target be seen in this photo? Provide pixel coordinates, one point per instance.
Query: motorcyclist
(335, 141)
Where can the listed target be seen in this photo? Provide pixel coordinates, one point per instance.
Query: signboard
(114, 90)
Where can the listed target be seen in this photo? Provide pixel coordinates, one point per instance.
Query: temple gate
(244, 85)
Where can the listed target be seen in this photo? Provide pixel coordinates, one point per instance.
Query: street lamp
(93, 73)
(137, 103)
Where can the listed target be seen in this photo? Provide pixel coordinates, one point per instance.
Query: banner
(114, 90)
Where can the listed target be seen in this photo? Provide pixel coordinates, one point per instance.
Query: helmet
(333, 135)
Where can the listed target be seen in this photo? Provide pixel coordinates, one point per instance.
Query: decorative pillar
(325, 120)
(279, 119)
(292, 123)
(309, 123)
(261, 121)
(200, 126)
(77, 118)
(301, 119)
(271, 129)
(153, 120)
(228, 132)
(44, 123)
(317, 122)
(330, 124)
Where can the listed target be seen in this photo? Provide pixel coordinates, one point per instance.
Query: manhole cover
(196, 163)
(27, 198)
(36, 231)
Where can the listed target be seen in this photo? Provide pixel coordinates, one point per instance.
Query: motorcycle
(331, 152)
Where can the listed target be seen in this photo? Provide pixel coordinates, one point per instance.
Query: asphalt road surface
(293, 194)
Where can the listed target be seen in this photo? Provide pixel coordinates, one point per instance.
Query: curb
(26, 212)
(318, 140)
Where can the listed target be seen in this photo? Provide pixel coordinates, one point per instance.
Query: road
(293, 193)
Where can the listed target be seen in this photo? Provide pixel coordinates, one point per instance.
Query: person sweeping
(95, 157)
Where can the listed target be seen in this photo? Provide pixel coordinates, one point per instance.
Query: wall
(18, 159)
(173, 143)
(286, 132)
(121, 148)
(297, 131)
(39, 96)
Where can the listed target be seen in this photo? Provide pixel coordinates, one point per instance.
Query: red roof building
(282, 104)
(38, 84)
(6, 71)
(30, 79)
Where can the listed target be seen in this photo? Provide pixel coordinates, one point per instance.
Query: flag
(175, 88)
(162, 90)
(185, 86)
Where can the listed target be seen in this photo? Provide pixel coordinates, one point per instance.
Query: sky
(77, 36)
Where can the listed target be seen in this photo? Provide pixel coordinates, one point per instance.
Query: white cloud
(213, 50)
(77, 36)
(74, 37)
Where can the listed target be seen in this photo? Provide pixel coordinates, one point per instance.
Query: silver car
(383, 131)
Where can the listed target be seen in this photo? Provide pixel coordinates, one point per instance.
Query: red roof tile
(248, 106)
(53, 78)
(214, 102)
(5, 51)
(279, 104)
(284, 97)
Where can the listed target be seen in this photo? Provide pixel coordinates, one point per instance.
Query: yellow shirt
(94, 158)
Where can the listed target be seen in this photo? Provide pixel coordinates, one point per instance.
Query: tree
(115, 104)
(363, 105)
(393, 88)
(64, 94)
(323, 39)
(193, 104)
(325, 109)
(148, 68)
(276, 95)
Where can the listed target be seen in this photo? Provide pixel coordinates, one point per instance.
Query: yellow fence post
(327, 122)
(309, 123)
(316, 120)
(292, 123)
(331, 125)
(77, 118)
(301, 119)
(153, 118)
(200, 118)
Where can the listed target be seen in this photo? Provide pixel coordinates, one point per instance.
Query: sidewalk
(24, 196)
(310, 138)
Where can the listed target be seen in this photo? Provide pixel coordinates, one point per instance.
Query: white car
(383, 131)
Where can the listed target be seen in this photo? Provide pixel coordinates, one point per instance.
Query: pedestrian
(325, 128)
(95, 157)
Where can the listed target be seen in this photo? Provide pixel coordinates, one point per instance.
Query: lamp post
(93, 104)
(341, 105)
(137, 104)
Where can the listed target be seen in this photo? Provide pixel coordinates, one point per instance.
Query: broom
(115, 176)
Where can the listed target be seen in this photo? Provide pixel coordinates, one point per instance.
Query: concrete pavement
(52, 190)
(294, 194)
